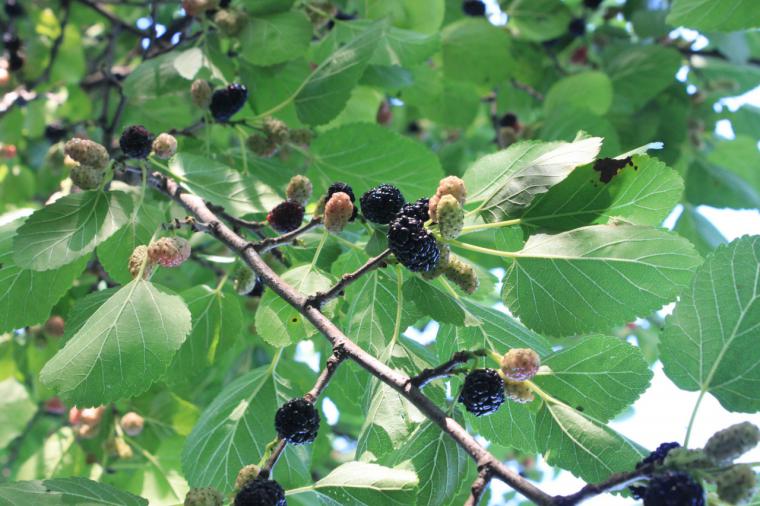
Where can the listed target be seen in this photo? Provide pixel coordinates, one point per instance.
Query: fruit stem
(243, 154)
(481, 249)
(496, 357)
(495, 224)
(693, 417)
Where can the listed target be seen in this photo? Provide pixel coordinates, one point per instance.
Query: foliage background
(638, 82)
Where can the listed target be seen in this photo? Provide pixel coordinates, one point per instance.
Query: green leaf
(710, 342)
(70, 228)
(236, 428)
(365, 155)
(222, 185)
(439, 462)
(61, 491)
(125, 346)
(588, 449)
(16, 410)
(512, 426)
(708, 15)
(26, 296)
(496, 331)
(115, 252)
(592, 278)
(538, 20)
(423, 16)
(328, 88)
(468, 37)
(644, 192)
(639, 74)
(59, 455)
(217, 322)
(505, 183)
(84, 308)
(256, 7)
(276, 38)
(430, 298)
(279, 323)
(598, 375)
(588, 90)
(397, 46)
(359, 484)
(450, 103)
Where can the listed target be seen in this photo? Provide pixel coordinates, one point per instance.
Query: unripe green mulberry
(164, 146)
(246, 475)
(262, 146)
(276, 130)
(87, 152)
(244, 280)
(518, 391)
(726, 445)
(687, 458)
(299, 189)
(137, 259)
(86, 177)
(736, 484)
(200, 92)
(301, 136)
(443, 262)
(450, 217)
(230, 21)
(204, 497)
(462, 274)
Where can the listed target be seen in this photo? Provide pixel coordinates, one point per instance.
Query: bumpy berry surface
(132, 423)
(462, 274)
(577, 27)
(674, 488)
(169, 251)
(413, 246)
(200, 92)
(261, 492)
(299, 189)
(136, 141)
(483, 392)
(286, 216)
(737, 484)
(85, 177)
(474, 7)
(508, 120)
(297, 421)
(520, 364)
(518, 391)
(418, 209)
(726, 445)
(450, 217)
(261, 145)
(230, 21)
(246, 475)
(204, 497)
(87, 152)
(658, 456)
(136, 260)
(382, 203)
(165, 146)
(338, 212)
(342, 187)
(228, 101)
(11, 41)
(442, 264)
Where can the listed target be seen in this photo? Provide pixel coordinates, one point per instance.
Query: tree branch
(273, 242)
(319, 299)
(113, 18)
(614, 482)
(458, 358)
(322, 381)
(478, 487)
(396, 380)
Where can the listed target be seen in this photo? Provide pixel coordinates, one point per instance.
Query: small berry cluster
(222, 103)
(288, 215)
(676, 474)
(86, 421)
(485, 390)
(136, 141)
(165, 252)
(275, 135)
(87, 161)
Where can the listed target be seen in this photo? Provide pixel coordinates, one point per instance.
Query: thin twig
(115, 20)
(273, 242)
(393, 378)
(478, 487)
(319, 299)
(445, 369)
